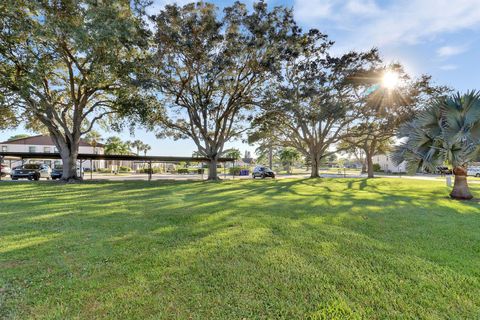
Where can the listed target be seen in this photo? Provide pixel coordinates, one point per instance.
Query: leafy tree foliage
(145, 148)
(138, 145)
(263, 133)
(115, 145)
(288, 156)
(64, 65)
(18, 136)
(233, 153)
(447, 131)
(311, 103)
(210, 68)
(383, 109)
(93, 137)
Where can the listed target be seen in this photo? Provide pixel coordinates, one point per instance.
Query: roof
(43, 140)
(91, 156)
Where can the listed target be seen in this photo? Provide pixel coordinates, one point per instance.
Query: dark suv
(263, 172)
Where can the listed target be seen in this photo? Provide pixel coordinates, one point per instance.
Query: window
(31, 149)
(46, 149)
(4, 148)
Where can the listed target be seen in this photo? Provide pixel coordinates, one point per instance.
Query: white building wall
(97, 164)
(387, 165)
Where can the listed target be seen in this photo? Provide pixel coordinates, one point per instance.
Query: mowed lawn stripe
(286, 249)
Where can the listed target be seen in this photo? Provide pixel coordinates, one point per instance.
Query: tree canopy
(211, 67)
(311, 103)
(64, 65)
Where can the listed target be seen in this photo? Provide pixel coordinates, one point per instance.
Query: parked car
(5, 170)
(263, 172)
(443, 170)
(31, 171)
(58, 171)
(473, 171)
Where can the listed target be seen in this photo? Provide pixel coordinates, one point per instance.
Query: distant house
(387, 165)
(45, 144)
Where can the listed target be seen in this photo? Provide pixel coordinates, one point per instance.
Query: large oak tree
(310, 104)
(210, 68)
(64, 65)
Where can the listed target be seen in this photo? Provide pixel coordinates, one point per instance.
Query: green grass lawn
(286, 249)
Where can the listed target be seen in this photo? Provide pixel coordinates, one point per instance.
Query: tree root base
(71, 180)
(464, 198)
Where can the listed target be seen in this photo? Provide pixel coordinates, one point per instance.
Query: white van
(473, 171)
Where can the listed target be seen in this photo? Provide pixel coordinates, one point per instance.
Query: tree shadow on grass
(189, 237)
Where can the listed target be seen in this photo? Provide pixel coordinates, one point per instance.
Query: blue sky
(438, 37)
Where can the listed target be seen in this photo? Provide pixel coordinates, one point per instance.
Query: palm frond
(448, 130)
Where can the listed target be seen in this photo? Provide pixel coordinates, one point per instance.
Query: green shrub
(124, 169)
(236, 170)
(154, 170)
(376, 167)
(182, 171)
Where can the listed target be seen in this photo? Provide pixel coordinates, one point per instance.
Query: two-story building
(45, 144)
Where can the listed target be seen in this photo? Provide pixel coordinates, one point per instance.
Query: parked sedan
(5, 170)
(263, 172)
(443, 170)
(31, 171)
(473, 171)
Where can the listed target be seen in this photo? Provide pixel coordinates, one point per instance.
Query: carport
(82, 157)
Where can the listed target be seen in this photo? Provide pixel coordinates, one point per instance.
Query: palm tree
(447, 131)
(288, 156)
(93, 137)
(146, 148)
(139, 145)
(114, 145)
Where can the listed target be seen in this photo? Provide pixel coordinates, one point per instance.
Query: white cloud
(449, 67)
(399, 22)
(362, 7)
(309, 10)
(448, 51)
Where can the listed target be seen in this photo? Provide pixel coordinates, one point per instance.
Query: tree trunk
(315, 166)
(369, 152)
(212, 169)
(270, 157)
(68, 152)
(364, 166)
(69, 160)
(369, 160)
(460, 188)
